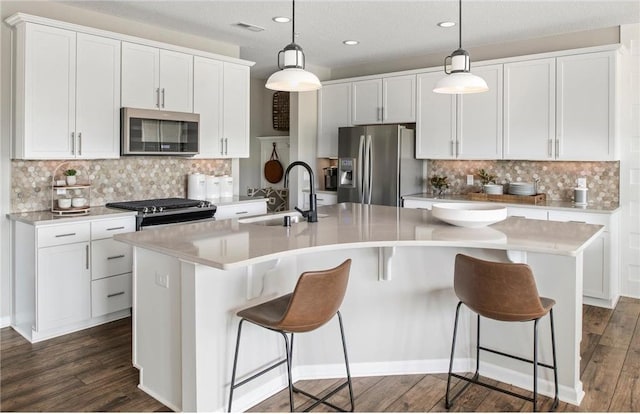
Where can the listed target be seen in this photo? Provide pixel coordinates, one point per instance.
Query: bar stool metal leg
(535, 365)
(288, 351)
(235, 365)
(555, 363)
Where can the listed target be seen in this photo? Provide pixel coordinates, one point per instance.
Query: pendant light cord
(460, 23)
(293, 23)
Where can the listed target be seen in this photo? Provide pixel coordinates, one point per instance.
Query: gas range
(162, 211)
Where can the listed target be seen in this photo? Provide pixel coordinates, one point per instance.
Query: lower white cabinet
(69, 276)
(240, 209)
(323, 198)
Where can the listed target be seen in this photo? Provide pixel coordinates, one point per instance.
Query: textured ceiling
(389, 29)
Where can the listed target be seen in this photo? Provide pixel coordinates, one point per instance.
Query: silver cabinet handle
(557, 148)
(241, 212)
(87, 256)
(163, 97)
(115, 228)
(453, 147)
(79, 143)
(550, 147)
(110, 295)
(457, 148)
(120, 256)
(73, 143)
(226, 146)
(577, 221)
(518, 216)
(65, 235)
(221, 146)
(157, 97)
(319, 199)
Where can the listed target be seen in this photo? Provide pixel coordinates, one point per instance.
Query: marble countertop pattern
(350, 225)
(550, 204)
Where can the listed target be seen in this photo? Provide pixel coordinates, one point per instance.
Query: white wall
(303, 133)
(83, 17)
(629, 113)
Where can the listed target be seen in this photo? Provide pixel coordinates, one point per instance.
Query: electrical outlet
(162, 280)
(470, 179)
(582, 182)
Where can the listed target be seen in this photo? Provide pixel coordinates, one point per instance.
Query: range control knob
(160, 209)
(145, 210)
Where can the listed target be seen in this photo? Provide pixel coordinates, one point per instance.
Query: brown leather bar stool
(503, 292)
(315, 300)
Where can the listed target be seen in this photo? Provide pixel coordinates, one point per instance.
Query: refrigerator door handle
(360, 167)
(369, 168)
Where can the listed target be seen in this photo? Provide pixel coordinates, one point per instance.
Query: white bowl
(469, 214)
(493, 189)
(78, 201)
(64, 202)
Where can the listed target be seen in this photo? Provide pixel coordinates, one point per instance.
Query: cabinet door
(366, 102)
(63, 286)
(97, 97)
(334, 111)
(585, 107)
(399, 99)
(45, 102)
(529, 109)
(207, 101)
(176, 81)
(140, 76)
(235, 122)
(480, 118)
(436, 120)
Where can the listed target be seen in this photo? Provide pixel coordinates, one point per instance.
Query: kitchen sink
(276, 219)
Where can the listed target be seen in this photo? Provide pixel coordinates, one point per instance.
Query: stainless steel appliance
(153, 132)
(162, 211)
(331, 178)
(377, 165)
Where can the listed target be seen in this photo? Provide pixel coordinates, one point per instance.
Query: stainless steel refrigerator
(377, 164)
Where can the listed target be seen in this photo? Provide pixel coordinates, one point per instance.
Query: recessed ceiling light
(350, 42)
(281, 19)
(447, 24)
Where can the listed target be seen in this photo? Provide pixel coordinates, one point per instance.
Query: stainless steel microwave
(153, 132)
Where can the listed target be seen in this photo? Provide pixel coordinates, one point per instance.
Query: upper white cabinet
(530, 109)
(155, 78)
(386, 100)
(467, 127)
(334, 111)
(585, 127)
(67, 94)
(235, 115)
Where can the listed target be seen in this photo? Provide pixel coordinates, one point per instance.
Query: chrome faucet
(312, 214)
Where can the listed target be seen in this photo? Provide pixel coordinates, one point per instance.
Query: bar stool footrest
(322, 400)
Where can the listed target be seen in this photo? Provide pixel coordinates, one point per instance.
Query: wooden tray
(509, 198)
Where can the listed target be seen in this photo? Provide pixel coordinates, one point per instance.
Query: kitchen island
(191, 279)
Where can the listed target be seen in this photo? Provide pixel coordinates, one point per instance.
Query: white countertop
(38, 218)
(349, 225)
(550, 204)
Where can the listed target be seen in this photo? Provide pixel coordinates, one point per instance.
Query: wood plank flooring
(91, 371)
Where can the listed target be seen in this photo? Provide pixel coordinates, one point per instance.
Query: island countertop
(349, 225)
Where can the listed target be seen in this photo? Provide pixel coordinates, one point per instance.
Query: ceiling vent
(251, 27)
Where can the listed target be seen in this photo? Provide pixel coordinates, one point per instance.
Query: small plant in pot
(70, 175)
(439, 183)
(489, 182)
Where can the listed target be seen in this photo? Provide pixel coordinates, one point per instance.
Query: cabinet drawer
(422, 205)
(63, 234)
(110, 257)
(602, 219)
(102, 229)
(529, 213)
(110, 294)
(324, 199)
(240, 210)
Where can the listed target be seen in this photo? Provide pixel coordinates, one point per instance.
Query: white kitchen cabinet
(530, 213)
(436, 120)
(417, 204)
(387, 100)
(585, 120)
(240, 209)
(323, 198)
(67, 94)
(529, 109)
(334, 111)
(463, 127)
(479, 122)
(221, 97)
(155, 78)
(63, 285)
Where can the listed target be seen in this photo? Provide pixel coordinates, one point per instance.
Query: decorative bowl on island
(469, 214)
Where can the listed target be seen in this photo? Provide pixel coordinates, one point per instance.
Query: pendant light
(292, 77)
(460, 79)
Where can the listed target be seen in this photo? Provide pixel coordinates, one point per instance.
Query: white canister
(226, 186)
(212, 187)
(196, 187)
(580, 196)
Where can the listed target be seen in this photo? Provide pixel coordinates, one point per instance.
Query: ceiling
(390, 29)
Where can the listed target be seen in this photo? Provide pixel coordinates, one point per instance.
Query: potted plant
(489, 185)
(439, 183)
(70, 175)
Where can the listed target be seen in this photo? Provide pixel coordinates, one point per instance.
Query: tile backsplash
(126, 178)
(557, 178)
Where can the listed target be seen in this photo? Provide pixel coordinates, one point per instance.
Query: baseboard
(5, 321)
(257, 395)
(157, 397)
(601, 303)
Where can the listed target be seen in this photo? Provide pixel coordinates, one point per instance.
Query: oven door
(156, 221)
(159, 226)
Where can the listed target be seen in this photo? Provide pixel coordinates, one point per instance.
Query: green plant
(486, 177)
(70, 172)
(439, 182)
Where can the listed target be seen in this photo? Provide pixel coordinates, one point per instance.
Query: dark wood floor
(91, 371)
